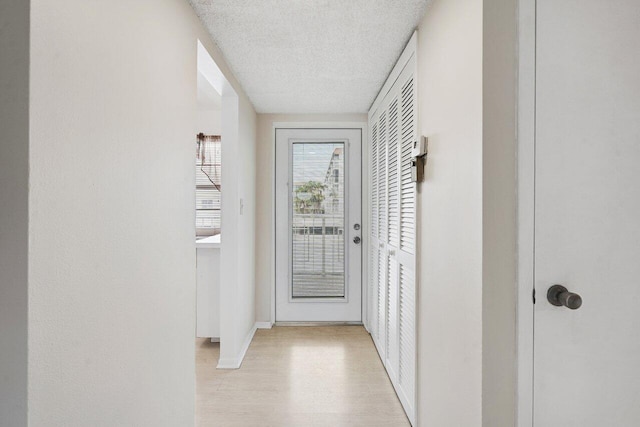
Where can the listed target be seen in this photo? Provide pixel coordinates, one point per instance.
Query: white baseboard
(236, 362)
(264, 325)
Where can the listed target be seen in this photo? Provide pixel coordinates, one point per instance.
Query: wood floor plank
(298, 376)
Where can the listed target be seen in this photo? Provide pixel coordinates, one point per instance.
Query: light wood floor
(298, 376)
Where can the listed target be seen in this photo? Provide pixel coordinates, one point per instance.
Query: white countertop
(211, 242)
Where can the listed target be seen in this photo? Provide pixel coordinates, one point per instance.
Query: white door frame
(362, 126)
(526, 209)
(346, 309)
(528, 249)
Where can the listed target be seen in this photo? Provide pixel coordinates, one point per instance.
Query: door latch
(559, 296)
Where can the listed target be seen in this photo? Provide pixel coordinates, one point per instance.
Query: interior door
(318, 225)
(587, 213)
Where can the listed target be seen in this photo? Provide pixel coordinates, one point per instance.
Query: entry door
(587, 213)
(318, 225)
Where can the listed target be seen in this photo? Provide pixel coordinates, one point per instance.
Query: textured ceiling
(311, 56)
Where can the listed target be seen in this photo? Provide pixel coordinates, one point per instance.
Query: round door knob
(356, 240)
(559, 296)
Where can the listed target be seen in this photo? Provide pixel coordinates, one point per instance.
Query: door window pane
(317, 228)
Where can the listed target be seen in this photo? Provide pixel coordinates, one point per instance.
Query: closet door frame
(383, 249)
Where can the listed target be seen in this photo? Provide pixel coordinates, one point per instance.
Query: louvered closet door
(374, 327)
(392, 254)
(382, 234)
(407, 238)
(391, 242)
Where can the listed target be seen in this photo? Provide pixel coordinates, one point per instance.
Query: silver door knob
(559, 296)
(356, 240)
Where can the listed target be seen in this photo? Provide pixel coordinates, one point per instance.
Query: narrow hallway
(298, 376)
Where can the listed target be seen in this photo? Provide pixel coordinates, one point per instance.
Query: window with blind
(317, 218)
(208, 188)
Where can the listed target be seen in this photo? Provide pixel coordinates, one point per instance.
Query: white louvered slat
(407, 369)
(373, 256)
(373, 268)
(382, 178)
(373, 291)
(407, 187)
(374, 181)
(393, 349)
(382, 301)
(393, 201)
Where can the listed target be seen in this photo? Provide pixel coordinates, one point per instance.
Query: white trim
(229, 266)
(418, 249)
(312, 324)
(366, 225)
(209, 69)
(347, 308)
(410, 50)
(347, 282)
(264, 325)
(407, 403)
(236, 362)
(526, 210)
(318, 125)
(211, 242)
(272, 285)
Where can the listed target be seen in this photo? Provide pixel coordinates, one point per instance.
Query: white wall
(499, 213)
(264, 198)
(450, 220)
(237, 272)
(247, 239)
(237, 257)
(209, 122)
(112, 256)
(467, 82)
(14, 213)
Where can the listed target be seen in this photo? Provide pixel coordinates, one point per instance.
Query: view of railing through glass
(317, 220)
